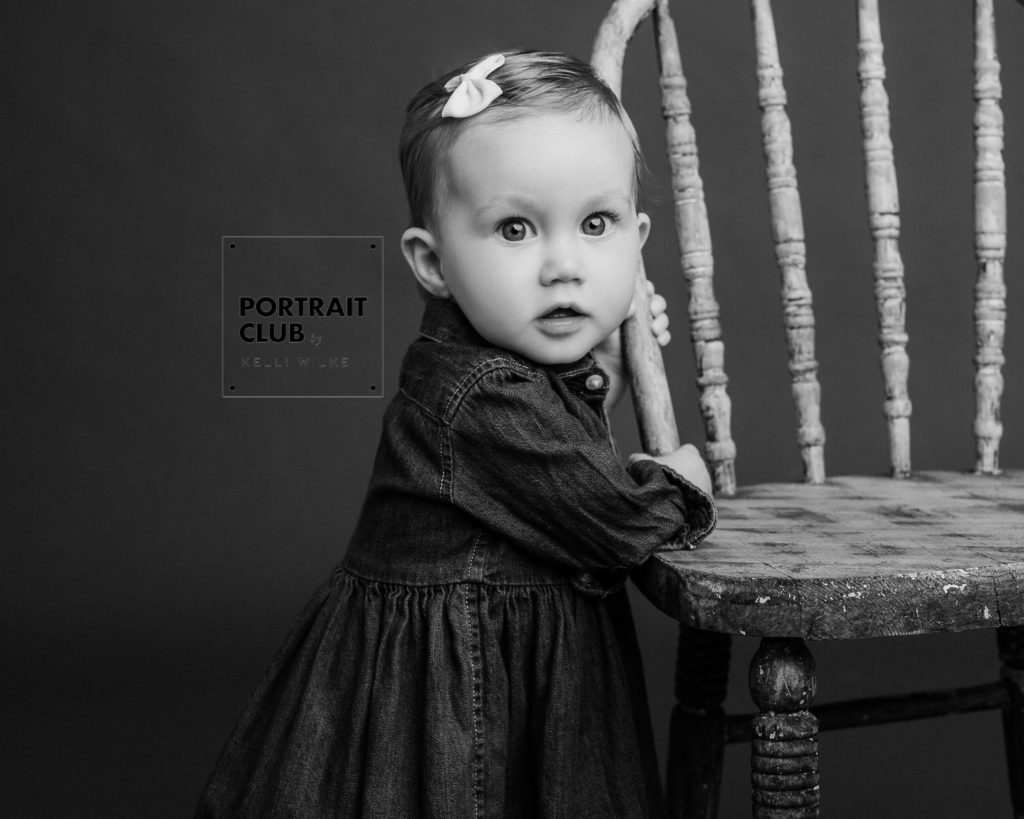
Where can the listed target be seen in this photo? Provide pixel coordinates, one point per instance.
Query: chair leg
(697, 736)
(1011, 655)
(784, 759)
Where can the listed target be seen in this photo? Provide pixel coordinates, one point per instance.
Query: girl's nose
(562, 262)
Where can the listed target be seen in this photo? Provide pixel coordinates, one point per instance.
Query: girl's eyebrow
(505, 201)
(613, 196)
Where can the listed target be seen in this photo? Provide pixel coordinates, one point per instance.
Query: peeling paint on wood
(862, 557)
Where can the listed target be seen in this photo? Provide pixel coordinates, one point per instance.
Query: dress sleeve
(542, 473)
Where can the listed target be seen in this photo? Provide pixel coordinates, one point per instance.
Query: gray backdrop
(160, 539)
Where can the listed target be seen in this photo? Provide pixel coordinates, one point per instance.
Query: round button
(594, 382)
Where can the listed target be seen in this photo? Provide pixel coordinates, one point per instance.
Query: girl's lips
(561, 312)
(561, 321)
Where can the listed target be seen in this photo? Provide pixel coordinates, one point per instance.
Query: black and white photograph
(535, 409)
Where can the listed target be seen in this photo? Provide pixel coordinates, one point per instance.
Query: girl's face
(537, 238)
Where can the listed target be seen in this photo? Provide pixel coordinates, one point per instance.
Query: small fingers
(659, 316)
(658, 309)
(659, 327)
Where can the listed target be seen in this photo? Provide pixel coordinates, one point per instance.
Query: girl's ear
(419, 249)
(643, 222)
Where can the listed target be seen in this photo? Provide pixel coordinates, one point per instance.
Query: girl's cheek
(632, 305)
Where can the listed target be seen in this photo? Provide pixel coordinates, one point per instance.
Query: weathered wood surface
(854, 557)
(784, 749)
(788, 235)
(880, 710)
(989, 241)
(694, 236)
(652, 400)
(884, 219)
(617, 29)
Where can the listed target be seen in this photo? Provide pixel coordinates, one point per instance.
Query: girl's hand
(609, 352)
(659, 316)
(686, 461)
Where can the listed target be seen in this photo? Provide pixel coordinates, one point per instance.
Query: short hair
(535, 81)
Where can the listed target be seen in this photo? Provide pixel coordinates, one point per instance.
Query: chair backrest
(656, 418)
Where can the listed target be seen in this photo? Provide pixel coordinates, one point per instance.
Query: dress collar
(444, 322)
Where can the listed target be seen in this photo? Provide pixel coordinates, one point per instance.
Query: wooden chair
(841, 557)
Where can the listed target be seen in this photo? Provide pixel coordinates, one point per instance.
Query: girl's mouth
(562, 313)
(561, 321)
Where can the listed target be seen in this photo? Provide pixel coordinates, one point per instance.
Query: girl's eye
(595, 224)
(513, 230)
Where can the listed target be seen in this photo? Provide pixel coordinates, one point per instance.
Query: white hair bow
(472, 92)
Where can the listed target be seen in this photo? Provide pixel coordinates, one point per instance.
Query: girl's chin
(551, 355)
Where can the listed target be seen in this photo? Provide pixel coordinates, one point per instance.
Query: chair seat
(861, 557)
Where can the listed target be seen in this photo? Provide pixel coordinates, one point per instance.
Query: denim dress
(474, 654)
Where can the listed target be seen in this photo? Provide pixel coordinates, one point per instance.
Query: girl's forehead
(537, 150)
(549, 156)
(533, 138)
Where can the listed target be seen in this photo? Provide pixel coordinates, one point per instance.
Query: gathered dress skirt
(458, 700)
